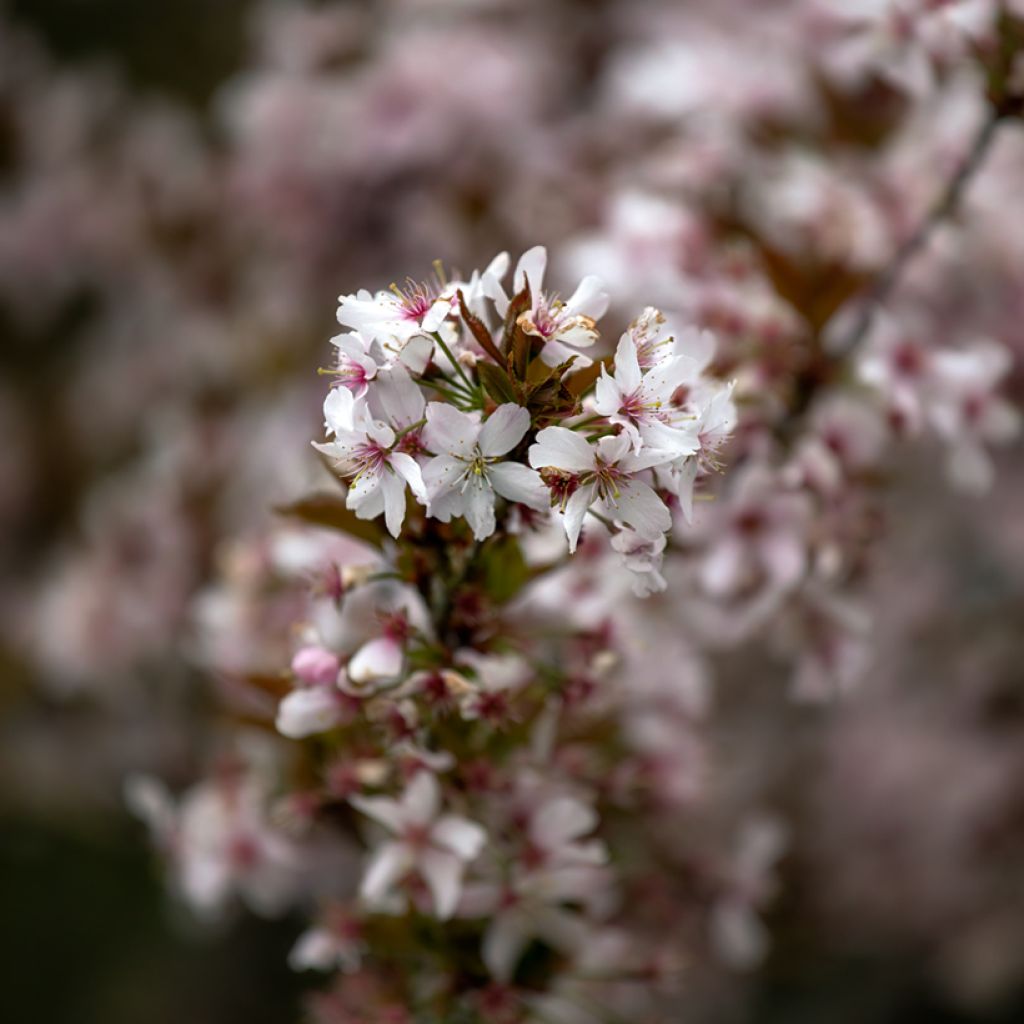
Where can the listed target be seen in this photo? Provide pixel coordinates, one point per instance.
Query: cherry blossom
(437, 846)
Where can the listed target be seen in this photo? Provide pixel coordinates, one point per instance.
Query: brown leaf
(479, 331)
(329, 510)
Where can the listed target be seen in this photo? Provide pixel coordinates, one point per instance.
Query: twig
(944, 207)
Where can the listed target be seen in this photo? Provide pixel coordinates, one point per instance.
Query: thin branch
(945, 206)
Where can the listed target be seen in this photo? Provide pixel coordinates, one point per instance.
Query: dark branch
(945, 206)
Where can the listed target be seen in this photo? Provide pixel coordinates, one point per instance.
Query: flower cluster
(432, 401)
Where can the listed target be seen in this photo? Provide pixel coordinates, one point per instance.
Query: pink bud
(313, 665)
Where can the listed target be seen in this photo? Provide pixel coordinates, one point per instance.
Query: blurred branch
(944, 207)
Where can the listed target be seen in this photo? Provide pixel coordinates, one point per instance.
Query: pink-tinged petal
(307, 712)
(504, 942)
(464, 838)
(390, 863)
(478, 506)
(504, 429)
(785, 557)
(531, 267)
(627, 366)
(422, 799)
(442, 872)
(449, 431)
(639, 507)
(314, 665)
(409, 470)
(382, 809)
(518, 483)
(561, 820)
(377, 661)
(591, 298)
(559, 448)
(721, 571)
(575, 510)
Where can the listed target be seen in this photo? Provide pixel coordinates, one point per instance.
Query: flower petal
(504, 429)
(531, 267)
(563, 449)
(516, 482)
(449, 431)
(464, 838)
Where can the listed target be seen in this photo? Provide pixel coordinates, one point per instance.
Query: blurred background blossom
(832, 678)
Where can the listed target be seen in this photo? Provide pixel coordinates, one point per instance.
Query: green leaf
(329, 510)
(497, 384)
(505, 569)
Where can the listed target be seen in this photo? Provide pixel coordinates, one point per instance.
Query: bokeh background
(185, 188)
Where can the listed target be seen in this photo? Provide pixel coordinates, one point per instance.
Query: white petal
(561, 449)
(385, 811)
(531, 266)
(518, 483)
(409, 470)
(561, 820)
(314, 950)
(575, 509)
(478, 506)
(607, 396)
(416, 353)
(464, 838)
(554, 353)
(638, 506)
(720, 573)
(422, 800)
(441, 475)
(449, 431)
(308, 711)
(392, 488)
(443, 874)
(389, 863)
(504, 429)
(578, 332)
(590, 298)
(376, 661)
(400, 396)
(504, 942)
(627, 366)
(339, 410)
